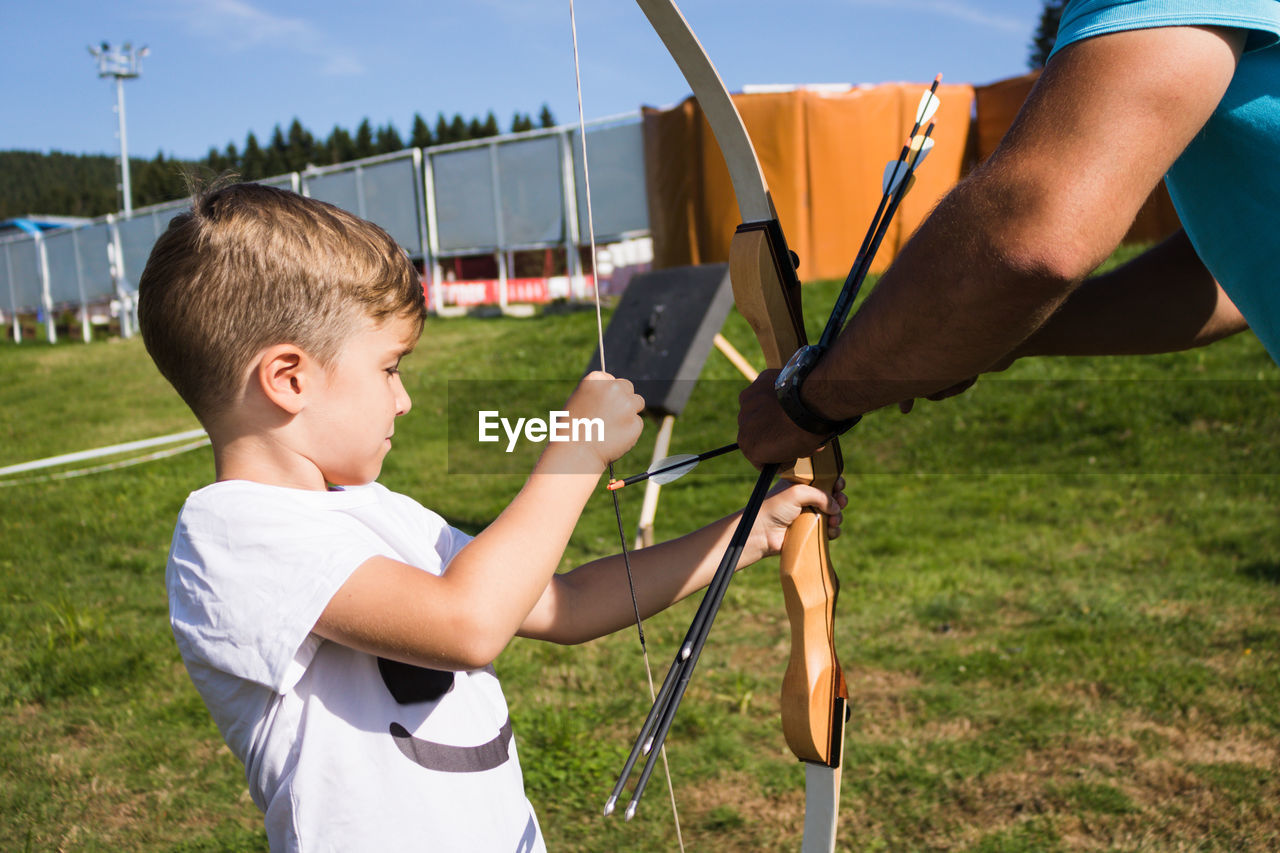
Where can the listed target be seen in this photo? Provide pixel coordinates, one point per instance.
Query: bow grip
(814, 693)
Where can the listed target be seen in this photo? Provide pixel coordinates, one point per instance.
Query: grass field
(1060, 614)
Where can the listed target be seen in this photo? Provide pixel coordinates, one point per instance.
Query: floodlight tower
(122, 63)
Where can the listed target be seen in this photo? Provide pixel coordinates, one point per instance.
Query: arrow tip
(609, 806)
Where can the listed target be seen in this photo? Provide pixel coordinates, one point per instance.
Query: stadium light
(121, 63)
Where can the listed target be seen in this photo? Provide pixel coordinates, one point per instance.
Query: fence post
(13, 295)
(50, 324)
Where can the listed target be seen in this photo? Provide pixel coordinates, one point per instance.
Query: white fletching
(920, 147)
(929, 104)
(673, 468)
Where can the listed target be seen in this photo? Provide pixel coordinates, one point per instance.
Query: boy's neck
(263, 458)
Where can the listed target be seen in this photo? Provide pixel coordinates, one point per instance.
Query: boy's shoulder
(251, 494)
(245, 509)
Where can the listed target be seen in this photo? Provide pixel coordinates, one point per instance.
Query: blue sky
(220, 68)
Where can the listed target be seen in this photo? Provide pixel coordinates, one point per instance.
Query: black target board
(663, 329)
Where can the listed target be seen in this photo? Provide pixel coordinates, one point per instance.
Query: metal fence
(493, 197)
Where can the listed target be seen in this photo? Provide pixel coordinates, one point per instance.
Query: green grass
(1059, 613)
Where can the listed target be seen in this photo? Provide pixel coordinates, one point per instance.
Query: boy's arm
(595, 599)
(465, 617)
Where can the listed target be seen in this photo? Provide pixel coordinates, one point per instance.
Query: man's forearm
(1163, 300)
(967, 289)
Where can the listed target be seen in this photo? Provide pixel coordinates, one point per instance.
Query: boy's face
(353, 414)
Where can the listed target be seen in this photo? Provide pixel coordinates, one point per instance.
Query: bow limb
(767, 292)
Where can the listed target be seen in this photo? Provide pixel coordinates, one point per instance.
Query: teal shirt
(1226, 184)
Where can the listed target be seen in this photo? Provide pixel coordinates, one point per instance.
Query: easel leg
(739, 361)
(649, 509)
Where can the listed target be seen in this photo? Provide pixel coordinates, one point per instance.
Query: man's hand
(765, 433)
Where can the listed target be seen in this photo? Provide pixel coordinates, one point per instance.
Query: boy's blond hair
(250, 266)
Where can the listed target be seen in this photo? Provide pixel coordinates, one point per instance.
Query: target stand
(659, 338)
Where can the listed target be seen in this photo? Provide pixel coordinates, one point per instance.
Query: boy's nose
(403, 403)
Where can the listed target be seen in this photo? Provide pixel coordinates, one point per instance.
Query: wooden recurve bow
(767, 292)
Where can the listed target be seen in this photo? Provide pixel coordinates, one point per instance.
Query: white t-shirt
(332, 759)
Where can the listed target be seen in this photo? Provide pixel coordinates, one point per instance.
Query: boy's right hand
(614, 402)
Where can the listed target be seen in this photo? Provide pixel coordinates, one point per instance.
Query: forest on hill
(61, 184)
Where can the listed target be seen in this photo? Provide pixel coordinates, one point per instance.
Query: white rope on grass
(201, 440)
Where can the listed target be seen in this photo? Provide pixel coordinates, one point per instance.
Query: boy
(344, 666)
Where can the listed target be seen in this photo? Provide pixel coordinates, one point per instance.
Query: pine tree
(1046, 33)
(253, 163)
(444, 133)
(545, 118)
(278, 146)
(215, 162)
(420, 135)
(490, 126)
(458, 129)
(300, 150)
(340, 147)
(388, 139)
(364, 146)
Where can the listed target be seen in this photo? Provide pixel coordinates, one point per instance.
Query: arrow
(672, 468)
(895, 189)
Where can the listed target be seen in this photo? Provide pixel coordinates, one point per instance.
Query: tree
(521, 122)
(1046, 33)
(253, 163)
(364, 146)
(340, 147)
(214, 160)
(444, 133)
(545, 118)
(231, 158)
(490, 126)
(300, 149)
(420, 134)
(458, 128)
(388, 139)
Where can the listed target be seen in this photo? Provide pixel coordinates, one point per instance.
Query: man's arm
(1006, 248)
(1162, 301)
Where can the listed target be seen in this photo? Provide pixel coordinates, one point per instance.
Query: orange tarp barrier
(823, 155)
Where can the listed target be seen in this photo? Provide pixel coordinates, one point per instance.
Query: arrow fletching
(920, 148)
(894, 172)
(921, 145)
(929, 102)
(672, 468)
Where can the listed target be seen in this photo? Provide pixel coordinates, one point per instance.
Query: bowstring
(617, 511)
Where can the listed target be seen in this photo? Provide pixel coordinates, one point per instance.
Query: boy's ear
(284, 373)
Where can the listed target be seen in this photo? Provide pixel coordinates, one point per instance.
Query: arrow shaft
(663, 469)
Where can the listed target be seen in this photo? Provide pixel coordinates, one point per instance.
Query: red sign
(487, 291)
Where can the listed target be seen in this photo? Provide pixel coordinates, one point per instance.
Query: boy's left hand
(784, 505)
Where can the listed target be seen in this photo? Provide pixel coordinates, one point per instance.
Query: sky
(218, 69)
